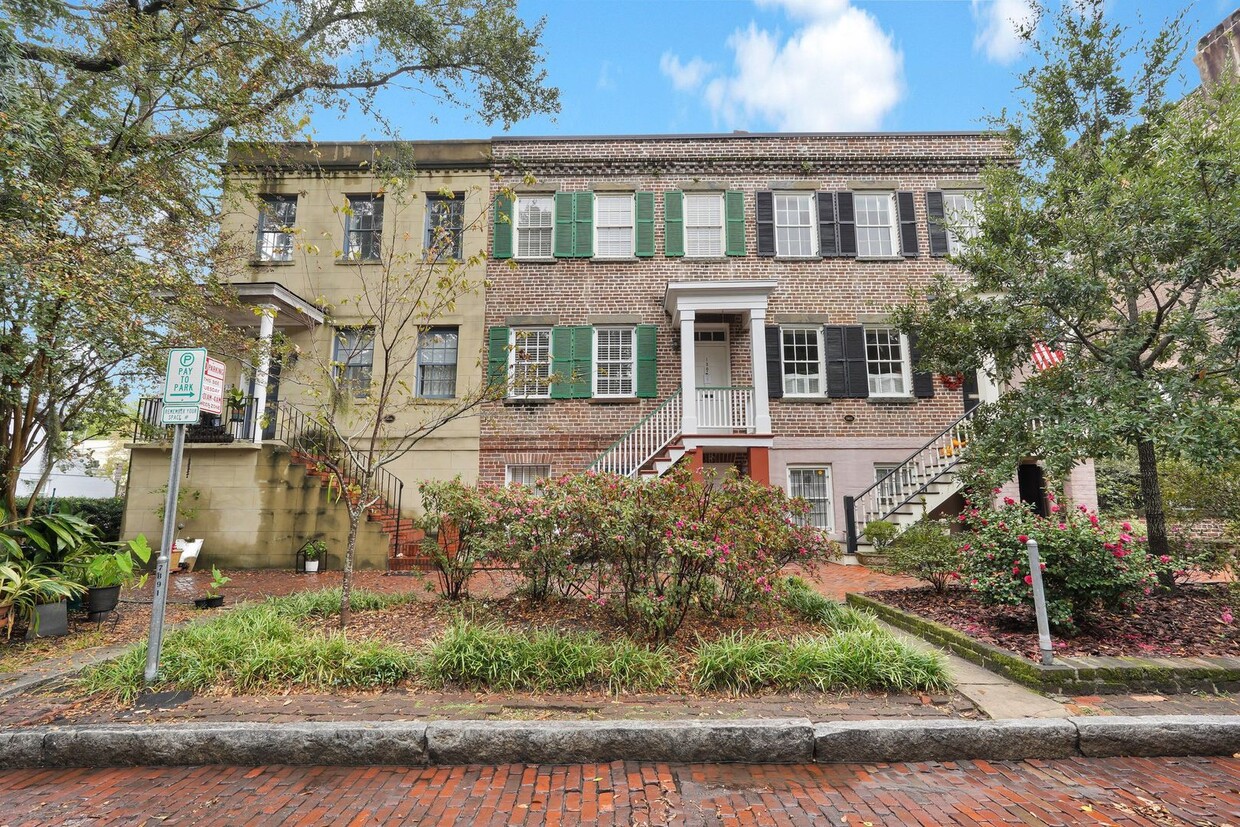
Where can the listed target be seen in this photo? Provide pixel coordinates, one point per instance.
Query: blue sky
(668, 66)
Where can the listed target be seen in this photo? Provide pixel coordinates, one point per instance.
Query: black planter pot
(209, 602)
(101, 601)
(53, 620)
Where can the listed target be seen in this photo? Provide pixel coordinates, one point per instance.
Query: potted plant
(107, 571)
(213, 599)
(314, 551)
(235, 399)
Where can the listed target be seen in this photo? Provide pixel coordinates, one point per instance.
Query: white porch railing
(725, 409)
(644, 441)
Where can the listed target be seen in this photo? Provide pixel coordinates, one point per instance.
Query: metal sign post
(1039, 604)
(183, 393)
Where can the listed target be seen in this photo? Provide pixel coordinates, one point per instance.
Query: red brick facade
(830, 290)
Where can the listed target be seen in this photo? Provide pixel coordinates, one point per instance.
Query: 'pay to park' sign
(193, 382)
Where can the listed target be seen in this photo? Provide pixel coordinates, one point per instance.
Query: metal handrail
(929, 464)
(643, 441)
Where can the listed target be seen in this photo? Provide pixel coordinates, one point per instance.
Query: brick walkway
(1153, 792)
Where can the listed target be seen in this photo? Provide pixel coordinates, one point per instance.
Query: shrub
(855, 660)
(880, 533)
(460, 520)
(486, 656)
(104, 513)
(1087, 561)
(927, 551)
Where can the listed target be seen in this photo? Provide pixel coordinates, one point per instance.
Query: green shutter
(734, 215)
(583, 362)
(647, 365)
(583, 225)
(562, 363)
(673, 223)
(644, 215)
(501, 236)
(497, 356)
(563, 247)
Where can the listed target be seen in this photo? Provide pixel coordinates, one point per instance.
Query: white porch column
(757, 348)
(266, 326)
(987, 390)
(688, 374)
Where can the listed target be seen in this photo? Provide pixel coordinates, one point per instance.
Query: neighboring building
(724, 299)
(254, 502)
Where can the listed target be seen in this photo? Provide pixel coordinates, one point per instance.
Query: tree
(362, 422)
(114, 120)
(1115, 238)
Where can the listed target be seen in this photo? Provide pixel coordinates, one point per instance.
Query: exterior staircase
(650, 448)
(923, 482)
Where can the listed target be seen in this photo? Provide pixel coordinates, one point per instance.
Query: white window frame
(905, 369)
(514, 352)
(632, 362)
(434, 352)
(526, 473)
(722, 227)
(956, 244)
(892, 227)
(599, 199)
(822, 378)
(830, 495)
(354, 225)
(519, 230)
(811, 228)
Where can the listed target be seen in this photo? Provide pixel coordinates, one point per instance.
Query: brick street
(1166, 791)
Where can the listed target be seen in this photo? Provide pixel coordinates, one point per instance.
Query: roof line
(744, 135)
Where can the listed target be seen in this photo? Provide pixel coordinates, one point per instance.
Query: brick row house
(723, 301)
(715, 300)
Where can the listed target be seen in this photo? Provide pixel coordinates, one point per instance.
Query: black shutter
(908, 224)
(774, 364)
(837, 371)
(854, 362)
(765, 214)
(935, 223)
(972, 393)
(923, 380)
(828, 240)
(846, 221)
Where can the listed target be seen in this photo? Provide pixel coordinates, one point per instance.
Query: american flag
(1044, 357)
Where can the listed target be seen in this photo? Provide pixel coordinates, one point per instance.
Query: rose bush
(1087, 561)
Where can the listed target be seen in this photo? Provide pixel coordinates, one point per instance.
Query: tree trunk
(346, 585)
(1151, 495)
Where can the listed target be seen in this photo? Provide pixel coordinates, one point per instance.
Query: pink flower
(1227, 616)
(1054, 509)
(1009, 501)
(995, 490)
(1024, 538)
(1028, 579)
(965, 547)
(1164, 559)
(1126, 526)
(1015, 569)
(1063, 526)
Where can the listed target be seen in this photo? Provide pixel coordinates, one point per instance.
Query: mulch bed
(1187, 623)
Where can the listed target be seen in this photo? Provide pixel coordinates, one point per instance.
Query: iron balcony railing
(907, 481)
(234, 425)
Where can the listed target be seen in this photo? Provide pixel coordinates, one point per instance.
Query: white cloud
(837, 71)
(606, 81)
(998, 24)
(685, 76)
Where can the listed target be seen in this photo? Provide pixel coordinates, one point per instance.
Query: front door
(712, 372)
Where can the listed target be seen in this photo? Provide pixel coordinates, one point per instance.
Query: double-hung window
(886, 362)
(437, 362)
(876, 225)
(535, 223)
(814, 486)
(704, 225)
(276, 218)
(530, 363)
(796, 231)
(961, 213)
(353, 357)
(364, 228)
(802, 358)
(614, 361)
(613, 226)
(445, 221)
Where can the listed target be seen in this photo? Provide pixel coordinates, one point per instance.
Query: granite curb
(777, 741)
